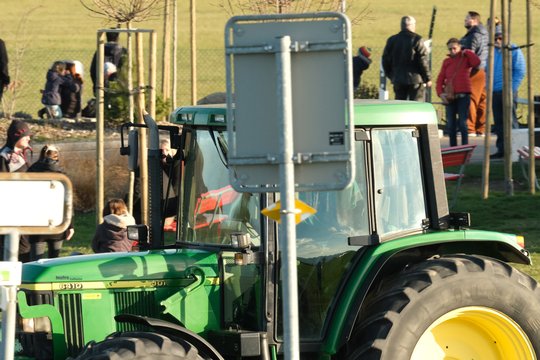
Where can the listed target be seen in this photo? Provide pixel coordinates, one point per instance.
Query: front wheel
(139, 346)
(459, 307)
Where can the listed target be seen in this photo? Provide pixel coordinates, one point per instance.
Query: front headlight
(33, 325)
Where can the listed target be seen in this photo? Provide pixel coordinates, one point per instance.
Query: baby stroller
(71, 96)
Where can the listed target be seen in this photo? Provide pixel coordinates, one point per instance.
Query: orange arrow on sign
(303, 211)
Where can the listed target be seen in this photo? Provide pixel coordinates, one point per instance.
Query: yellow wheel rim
(474, 333)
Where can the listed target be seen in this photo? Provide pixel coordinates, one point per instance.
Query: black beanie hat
(17, 129)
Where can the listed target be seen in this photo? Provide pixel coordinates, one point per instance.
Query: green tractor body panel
(393, 112)
(218, 275)
(90, 290)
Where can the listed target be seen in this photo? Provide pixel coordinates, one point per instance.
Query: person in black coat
(114, 54)
(4, 73)
(406, 63)
(48, 162)
(72, 93)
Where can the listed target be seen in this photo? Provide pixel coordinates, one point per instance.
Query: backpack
(89, 110)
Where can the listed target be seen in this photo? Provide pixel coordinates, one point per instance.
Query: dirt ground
(58, 130)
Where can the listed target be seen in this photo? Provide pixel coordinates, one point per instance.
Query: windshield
(211, 210)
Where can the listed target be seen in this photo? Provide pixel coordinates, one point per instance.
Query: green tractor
(384, 270)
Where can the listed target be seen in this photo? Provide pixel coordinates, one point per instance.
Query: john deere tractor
(385, 271)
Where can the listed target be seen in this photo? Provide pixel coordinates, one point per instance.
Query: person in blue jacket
(518, 73)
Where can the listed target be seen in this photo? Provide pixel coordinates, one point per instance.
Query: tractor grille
(71, 310)
(134, 302)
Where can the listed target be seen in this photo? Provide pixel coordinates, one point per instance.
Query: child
(111, 234)
(51, 95)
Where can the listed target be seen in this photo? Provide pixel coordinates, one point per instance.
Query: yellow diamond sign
(303, 211)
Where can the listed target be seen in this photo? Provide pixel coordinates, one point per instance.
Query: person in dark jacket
(4, 73)
(476, 39)
(406, 63)
(111, 234)
(114, 53)
(56, 77)
(360, 63)
(71, 93)
(48, 162)
(14, 158)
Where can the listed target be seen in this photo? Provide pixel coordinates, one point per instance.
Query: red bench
(524, 155)
(456, 156)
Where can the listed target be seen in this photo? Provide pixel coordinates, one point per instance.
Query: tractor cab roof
(366, 112)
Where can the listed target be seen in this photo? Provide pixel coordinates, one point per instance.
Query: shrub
(367, 91)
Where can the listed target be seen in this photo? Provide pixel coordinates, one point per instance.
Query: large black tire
(399, 314)
(139, 346)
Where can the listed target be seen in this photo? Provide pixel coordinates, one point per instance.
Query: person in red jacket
(455, 74)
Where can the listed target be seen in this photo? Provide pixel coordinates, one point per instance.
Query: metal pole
(530, 121)
(288, 209)
(130, 109)
(143, 156)
(152, 69)
(193, 28)
(383, 92)
(489, 102)
(100, 120)
(166, 59)
(9, 314)
(507, 99)
(175, 53)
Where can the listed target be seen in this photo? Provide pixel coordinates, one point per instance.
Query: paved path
(478, 154)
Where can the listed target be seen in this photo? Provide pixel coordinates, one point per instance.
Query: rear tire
(459, 307)
(138, 346)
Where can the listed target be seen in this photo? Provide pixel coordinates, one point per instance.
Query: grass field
(63, 29)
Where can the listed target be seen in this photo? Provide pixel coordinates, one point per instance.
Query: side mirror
(139, 234)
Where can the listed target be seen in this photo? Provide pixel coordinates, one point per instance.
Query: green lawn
(517, 214)
(63, 29)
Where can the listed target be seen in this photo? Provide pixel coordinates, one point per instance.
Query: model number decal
(71, 286)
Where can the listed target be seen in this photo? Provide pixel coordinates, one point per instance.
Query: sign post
(49, 214)
(302, 97)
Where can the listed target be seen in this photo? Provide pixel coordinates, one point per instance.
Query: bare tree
(124, 11)
(291, 6)
(22, 40)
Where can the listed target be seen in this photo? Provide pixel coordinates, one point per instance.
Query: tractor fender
(170, 329)
(379, 261)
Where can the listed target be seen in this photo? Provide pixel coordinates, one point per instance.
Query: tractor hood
(147, 265)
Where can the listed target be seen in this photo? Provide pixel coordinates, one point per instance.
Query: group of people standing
(16, 156)
(465, 71)
(63, 90)
(62, 95)
(461, 83)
